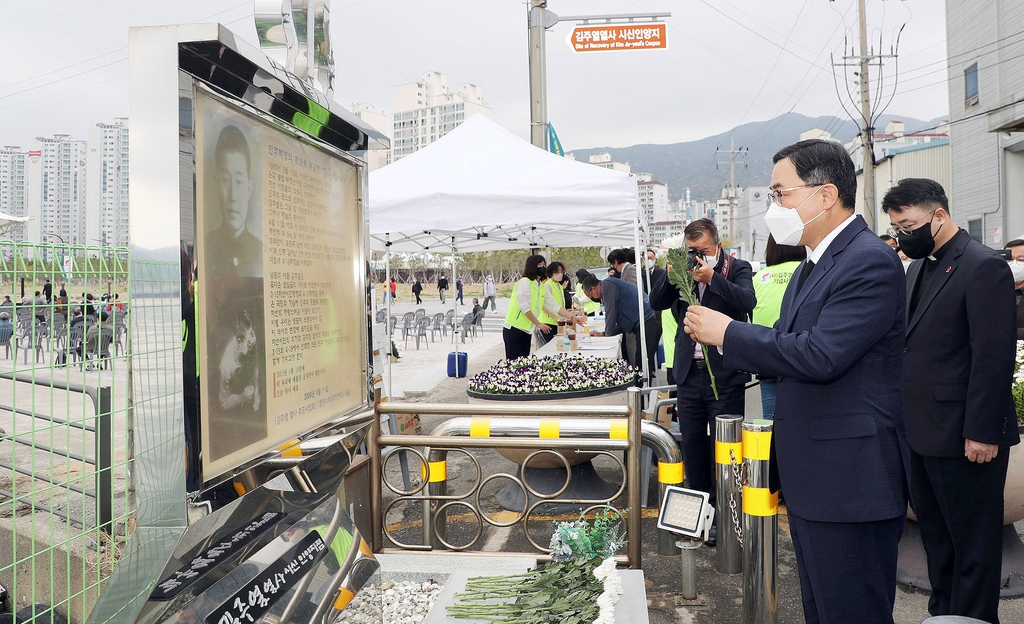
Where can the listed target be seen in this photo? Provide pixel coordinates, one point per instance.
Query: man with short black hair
(957, 377)
(723, 283)
(620, 261)
(838, 446)
(622, 317)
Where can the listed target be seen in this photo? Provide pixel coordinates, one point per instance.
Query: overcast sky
(728, 61)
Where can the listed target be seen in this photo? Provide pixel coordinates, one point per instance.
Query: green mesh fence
(66, 496)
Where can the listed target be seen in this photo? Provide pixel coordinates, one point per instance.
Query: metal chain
(732, 497)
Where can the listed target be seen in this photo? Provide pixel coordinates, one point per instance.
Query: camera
(692, 255)
(1007, 254)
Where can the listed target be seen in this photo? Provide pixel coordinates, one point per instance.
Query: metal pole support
(373, 447)
(688, 558)
(760, 528)
(104, 473)
(634, 399)
(728, 452)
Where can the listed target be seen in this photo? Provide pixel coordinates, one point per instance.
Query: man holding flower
(706, 387)
(838, 448)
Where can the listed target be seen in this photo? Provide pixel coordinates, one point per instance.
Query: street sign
(612, 37)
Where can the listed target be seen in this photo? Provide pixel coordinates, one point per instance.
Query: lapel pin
(948, 269)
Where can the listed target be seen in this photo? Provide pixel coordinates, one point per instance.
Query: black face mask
(542, 272)
(920, 242)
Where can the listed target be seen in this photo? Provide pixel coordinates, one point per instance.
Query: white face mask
(712, 260)
(785, 224)
(1017, 268)
(650, 264)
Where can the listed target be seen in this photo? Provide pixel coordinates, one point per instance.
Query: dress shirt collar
(814, 255)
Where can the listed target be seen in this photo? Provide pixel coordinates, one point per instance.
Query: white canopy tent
(9, 222)
(482, 188)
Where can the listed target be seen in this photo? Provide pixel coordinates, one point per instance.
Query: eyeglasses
(777, 194)
(908, 229)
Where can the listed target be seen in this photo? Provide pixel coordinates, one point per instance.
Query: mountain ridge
(692, 163)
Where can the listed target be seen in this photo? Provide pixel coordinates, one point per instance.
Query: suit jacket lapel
(913, 276)
(787, 313)
(818, 272)
(820, 269)
(946, 267)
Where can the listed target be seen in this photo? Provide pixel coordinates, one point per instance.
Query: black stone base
(912, 567)
(584, 484)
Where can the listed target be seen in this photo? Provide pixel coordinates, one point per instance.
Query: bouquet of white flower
(580, 585)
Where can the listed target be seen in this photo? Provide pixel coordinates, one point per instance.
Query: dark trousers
(490, 298)
(959, 506)
(847, 569)
(418, 300)
(517, 342)
(696, 409)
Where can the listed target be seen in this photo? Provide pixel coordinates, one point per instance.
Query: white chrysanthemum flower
(612, 583)
(674, 242)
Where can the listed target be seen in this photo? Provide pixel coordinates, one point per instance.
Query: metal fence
(606, 430)
(65, 452)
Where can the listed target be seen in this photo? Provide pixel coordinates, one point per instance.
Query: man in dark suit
(652, 272)
(1016, 247)
(957, 375)
(723, 283)
(839, 448)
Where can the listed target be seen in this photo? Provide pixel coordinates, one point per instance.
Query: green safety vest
(770, 287)
(589, 307)
(669, 327)
(544, 317)
(515, 317)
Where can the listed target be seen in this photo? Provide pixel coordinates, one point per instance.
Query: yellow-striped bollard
(728, 461)
(760, 527)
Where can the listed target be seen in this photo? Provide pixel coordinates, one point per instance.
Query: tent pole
(640, 303)
(455, 302)
(387, 290)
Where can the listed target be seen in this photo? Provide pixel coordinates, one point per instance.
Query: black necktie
(808, 267)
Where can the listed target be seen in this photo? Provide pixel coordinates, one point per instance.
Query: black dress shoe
(712, 540)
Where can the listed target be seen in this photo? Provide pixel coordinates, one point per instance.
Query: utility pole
(866, 141)
(862, 61)
(732, 152)
(540, 19)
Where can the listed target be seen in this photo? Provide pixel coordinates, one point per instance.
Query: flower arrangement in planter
(1018, 383)
(579, 586)
(561, 374)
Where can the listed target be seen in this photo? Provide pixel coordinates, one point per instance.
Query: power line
(708, 48)
(774, 65)
(764, 131)
(971, 51)
(754, 32)
(82, 73)
(766, 26)
(60, 69)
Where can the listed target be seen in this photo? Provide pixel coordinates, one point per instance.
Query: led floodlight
(686, 512)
